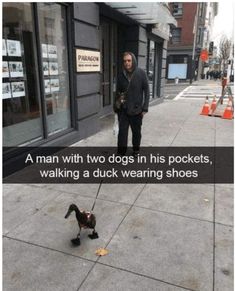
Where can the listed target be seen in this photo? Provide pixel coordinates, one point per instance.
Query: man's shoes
(121, 151)
(135, 154)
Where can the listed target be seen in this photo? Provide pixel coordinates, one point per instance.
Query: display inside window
(4, 48)
(6, 90)
(47, 86)
(16, 69)
(44, 51)
(52, 51)
(18, 89)
(55, 85)
(53, 67)
(45, 67)
(5, 70)
(13, 48)
(13, 70)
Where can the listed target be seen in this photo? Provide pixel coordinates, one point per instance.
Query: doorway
(154, 68)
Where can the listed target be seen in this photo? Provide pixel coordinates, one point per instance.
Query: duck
(85, 220)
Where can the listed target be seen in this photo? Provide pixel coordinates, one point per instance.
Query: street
(172, 90)
(203, 88)
(165, 237)
(199, 89)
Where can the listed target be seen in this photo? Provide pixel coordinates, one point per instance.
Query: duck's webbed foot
(94, 235)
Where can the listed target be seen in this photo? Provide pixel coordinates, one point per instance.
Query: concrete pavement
(159, 237)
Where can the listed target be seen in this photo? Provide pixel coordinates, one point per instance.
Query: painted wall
(86, 36)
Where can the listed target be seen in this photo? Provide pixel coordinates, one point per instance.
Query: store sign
(87, 61)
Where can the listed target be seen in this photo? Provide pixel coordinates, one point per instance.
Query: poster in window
(16, 69)
(6, 90)
(53, 69)
(44, 51)
(45, 67)
(4, 48)
(5, 70)
(52, 51)
(55, 85)
(18, 89)
(47, 86)
(13, 48)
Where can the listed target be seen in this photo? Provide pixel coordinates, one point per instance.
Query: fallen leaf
(101, 252)
(206, 200)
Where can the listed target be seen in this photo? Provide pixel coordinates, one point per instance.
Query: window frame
(173, 37)
(179, 7)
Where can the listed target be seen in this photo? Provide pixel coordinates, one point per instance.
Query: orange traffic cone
(213, 104)
(206, 107)
(228, 112)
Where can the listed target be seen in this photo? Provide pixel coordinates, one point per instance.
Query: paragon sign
(87, 61)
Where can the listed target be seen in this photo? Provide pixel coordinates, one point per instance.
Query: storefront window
(22, 121)
(34, 107)
(53, 41)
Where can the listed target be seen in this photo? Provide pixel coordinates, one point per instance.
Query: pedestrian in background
(131, 103)
(223, 84)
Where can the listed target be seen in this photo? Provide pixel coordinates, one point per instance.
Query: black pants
(135, 122)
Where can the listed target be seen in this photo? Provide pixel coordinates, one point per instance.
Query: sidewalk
(159, 237)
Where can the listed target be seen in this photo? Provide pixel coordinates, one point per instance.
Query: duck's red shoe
(94, 235)
(76, 241)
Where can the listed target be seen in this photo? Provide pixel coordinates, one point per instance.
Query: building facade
(192, 34)
(60, 65)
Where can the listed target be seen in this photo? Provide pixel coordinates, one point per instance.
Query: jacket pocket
(135, 110)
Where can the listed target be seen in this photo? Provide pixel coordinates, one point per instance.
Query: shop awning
(145, 12)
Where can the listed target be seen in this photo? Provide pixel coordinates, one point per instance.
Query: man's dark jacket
(138, 91)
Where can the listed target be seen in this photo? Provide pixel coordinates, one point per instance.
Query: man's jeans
(135, 122)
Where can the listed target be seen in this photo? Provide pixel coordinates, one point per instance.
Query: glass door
(54, 58)
(154, 68)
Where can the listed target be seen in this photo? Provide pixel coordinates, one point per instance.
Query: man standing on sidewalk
(132, 85)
